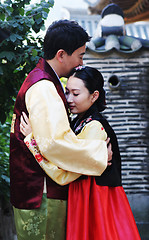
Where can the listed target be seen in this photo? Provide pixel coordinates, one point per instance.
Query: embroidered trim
(82, 124)
(13, 122)
(32, 146)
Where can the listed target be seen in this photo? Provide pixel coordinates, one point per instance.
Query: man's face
(72, 61)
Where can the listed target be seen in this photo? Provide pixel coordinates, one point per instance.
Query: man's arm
(60, 176)
(92, 130)
(55, 139)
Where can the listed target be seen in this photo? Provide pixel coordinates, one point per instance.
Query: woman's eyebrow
(73, 89)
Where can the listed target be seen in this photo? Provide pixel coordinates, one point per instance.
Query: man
(41, 97)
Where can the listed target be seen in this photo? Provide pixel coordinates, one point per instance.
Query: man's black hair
(66, 35)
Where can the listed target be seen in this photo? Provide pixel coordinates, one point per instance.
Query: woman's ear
(95, 96)
(60, 55)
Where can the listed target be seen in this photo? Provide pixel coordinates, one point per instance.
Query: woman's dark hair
(93, 81)
(66, 35)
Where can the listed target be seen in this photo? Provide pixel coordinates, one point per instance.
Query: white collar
(58, 78)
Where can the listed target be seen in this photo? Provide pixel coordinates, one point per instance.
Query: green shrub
(19, 53)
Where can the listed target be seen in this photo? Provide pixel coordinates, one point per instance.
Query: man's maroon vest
(26, 176)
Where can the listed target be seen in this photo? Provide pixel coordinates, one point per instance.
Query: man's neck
(54, 66)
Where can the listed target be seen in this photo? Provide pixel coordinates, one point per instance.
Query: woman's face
(78, 97)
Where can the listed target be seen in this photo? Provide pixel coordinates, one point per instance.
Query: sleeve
(60, 176)
(54, 137)
(93, 130)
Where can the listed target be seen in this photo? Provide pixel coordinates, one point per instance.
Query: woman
(97, 206)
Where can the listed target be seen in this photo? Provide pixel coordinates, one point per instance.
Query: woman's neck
(80, 115)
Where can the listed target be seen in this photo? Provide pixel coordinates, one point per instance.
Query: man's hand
(110, 153)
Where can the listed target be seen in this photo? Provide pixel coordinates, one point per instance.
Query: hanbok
(98, 208)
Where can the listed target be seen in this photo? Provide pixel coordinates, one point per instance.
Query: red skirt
(99, 213)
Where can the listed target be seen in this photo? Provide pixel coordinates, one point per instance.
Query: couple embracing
(57, 151)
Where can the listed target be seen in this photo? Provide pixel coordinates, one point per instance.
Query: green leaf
(2, 16)
(38, 16)
(27, 1)
(15, 24)
(19, 37)
(2, 54)
(44, 15)
(21, 11)
(9, 10)
(22, 20)
(13, 37)
(51, 3)
(28, 13)
(34, 53)
(43, 28)
(7, 179)
(39, 20)
(46, 9)
(8, 55)
(32, 21)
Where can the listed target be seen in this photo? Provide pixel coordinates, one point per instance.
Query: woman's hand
(25, 126)
(110, 153)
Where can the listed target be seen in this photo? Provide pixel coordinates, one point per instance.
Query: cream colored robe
(57, 143)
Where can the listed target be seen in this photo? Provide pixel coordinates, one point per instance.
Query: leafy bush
(19, 53)
(4, 159)
(21, 50)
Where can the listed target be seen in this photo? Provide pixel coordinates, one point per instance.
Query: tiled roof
(90, 22)
(134, 10)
